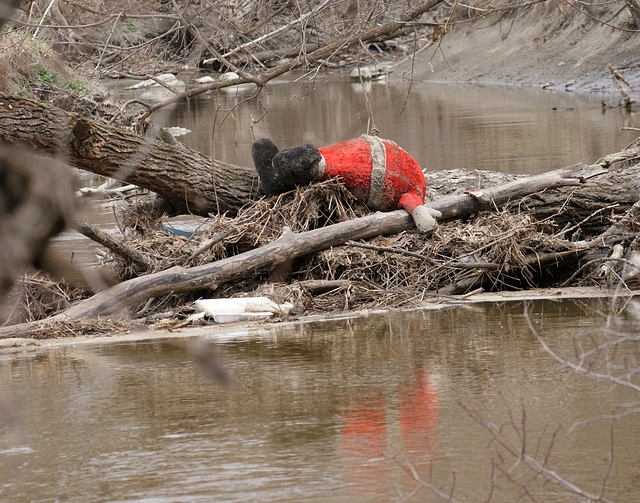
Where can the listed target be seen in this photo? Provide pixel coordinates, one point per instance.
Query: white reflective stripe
(378, 170)
(321, 167)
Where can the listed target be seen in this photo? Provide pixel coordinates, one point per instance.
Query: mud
(550, 46)
(240, 329)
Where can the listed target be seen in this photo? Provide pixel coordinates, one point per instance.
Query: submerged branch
(115, 245)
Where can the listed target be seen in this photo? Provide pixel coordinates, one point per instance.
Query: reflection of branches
(533, 468)
(607, 354)
(600, 353)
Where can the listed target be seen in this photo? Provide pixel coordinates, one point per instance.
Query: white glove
(425, 218)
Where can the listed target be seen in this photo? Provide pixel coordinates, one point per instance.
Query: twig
(271, 34)
(584, 220)
(410, 469)
(498, 435)
(444, 31)
(115, 245)
(46, 12)
(106, 20)
(430, 261)
(191, 28)
(593, 262)
(210, 243)
(578, 368)
(582, 11)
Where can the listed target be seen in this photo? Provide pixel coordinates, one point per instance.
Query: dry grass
(39, 295)
(76, 328)
(257, 224)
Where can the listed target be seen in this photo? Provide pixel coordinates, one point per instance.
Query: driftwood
(202, 185)
(291, 245)
(115, 245)
(619, 188)
(174, 171)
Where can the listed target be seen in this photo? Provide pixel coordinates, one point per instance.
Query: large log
(173, 170)
(204, 185)
(617, 189)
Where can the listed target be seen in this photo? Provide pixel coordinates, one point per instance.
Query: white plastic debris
(178, 131)
(369, 72)
(168, 78)
(207, 79)
(632, 268)
(223, 79)
(244, 308)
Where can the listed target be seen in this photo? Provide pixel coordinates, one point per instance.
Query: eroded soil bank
(551, 45)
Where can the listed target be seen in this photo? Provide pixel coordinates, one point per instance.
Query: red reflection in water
(418, 417)
(364, 433)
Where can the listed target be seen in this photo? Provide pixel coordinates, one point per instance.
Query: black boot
(284, 171)
(263, 152)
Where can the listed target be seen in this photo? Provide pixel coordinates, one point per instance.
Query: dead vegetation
(508, 249)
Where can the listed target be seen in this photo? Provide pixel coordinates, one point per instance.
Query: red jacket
(377, 172)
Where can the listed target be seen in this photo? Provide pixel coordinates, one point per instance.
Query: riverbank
(550, 45)
(243, 330)
(454, 244)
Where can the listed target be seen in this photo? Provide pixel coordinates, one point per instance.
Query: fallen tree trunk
(202, 185)
(209, 276)
(175, 171)
(618, 189)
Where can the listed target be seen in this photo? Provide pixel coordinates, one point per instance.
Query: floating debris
(167, 78)
(369, 72)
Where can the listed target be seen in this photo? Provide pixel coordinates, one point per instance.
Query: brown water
(443, 126)
(317, 412)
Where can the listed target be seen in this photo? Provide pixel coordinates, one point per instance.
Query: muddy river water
(444, 126)
(329, 411)
(347, 409)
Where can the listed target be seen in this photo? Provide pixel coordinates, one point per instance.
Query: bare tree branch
(322, 53)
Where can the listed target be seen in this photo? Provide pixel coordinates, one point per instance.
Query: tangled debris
(501, 250)
(390, 271)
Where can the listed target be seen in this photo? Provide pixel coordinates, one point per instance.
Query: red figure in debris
(377, 172)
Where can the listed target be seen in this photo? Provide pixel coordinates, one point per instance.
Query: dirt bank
(241, 330)
(551, 46)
